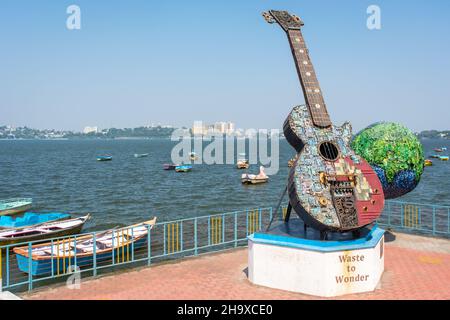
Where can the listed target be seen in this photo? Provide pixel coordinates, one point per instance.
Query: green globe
(395, 154)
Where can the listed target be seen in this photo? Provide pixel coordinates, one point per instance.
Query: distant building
(199, 128)
(90, 130)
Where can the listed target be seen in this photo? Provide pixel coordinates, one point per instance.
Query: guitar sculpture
(330, 187)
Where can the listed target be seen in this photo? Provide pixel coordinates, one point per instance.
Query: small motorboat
(255, 179)
(15, 205)
(140, 155)
(193, 156)
(436, 156)
(183, 168)
(437, 149)
(104, 158)
(57, 255)
(428, 163)
(444, 158)
(43, 231)
(169, 166)
(31, 219)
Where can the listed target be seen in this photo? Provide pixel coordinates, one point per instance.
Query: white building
(90, 129)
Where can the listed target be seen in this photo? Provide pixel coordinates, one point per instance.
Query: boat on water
(15, 205)
(444, 158)
(242, 161)
(255, 179)
(193, 156)
(436, 156)
(438, 149)
(31, 219)
(444, 148)
(43, 231)
(56, 255)
(169, 166)
(104, 158)
(140, 155)
(428, 163)
(183, 168)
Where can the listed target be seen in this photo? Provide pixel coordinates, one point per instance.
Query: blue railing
(181, 238)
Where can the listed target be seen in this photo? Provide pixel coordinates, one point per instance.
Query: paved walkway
(415, 268)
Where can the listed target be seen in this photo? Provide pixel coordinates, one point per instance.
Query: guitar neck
(308, 80)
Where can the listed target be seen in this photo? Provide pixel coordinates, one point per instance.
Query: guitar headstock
(284, 19)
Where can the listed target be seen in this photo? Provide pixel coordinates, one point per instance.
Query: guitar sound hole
(328, 151)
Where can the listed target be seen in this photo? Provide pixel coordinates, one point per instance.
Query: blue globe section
(404, 181)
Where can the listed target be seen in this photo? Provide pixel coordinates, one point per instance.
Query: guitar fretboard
(308, 80)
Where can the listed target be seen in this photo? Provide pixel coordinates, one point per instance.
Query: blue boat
(55, 257)
(104, 158)
(31, 219)
(183, 168)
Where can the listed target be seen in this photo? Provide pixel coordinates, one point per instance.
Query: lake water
(65, 176)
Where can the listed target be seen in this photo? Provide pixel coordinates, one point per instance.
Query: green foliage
(392, 147)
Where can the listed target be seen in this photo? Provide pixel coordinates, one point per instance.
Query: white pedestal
(320, 268)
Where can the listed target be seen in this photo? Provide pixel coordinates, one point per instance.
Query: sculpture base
(320, 268)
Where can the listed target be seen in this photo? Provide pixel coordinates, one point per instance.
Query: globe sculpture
(395, 153)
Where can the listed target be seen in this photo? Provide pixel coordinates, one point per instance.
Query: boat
(183, 168)
(444, 148)
(140, 155)
(444, 158)
(56, 255)
(437, 149)
(43, 231)
(255, 179)
(169, 166)
(31, 219)
(436, 156)
(104, 158)
(243, 164)
(428, 163)
(193, 156)
(15, 205)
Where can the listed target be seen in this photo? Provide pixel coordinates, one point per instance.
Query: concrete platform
(415, 268)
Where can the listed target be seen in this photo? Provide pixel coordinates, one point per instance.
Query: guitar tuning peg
(268, 17)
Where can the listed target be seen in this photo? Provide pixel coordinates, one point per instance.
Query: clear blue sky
(137, 62)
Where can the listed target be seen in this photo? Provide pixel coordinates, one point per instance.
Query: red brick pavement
(409, 274)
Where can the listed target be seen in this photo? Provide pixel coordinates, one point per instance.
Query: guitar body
(330, 187)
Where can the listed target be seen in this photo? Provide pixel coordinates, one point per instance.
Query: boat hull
(16, 210)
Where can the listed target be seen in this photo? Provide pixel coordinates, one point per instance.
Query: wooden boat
(183, 168)
(168, 166)
(111, 244)
(428, 163)
(140, 155)
(15, 205)
(43, 231)
(444, 158)
(31, 219)
(255, 179)
(104, 158)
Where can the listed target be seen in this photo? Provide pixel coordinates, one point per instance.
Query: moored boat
(183, 168)
(43, 231)
(444, 158)
(438, 149)
(31, 219)
(104, 158)
(15, 205)
(436, 156)
(169, 166)
(140, 155)
(55, 256)
(428, 162)
(255, 179)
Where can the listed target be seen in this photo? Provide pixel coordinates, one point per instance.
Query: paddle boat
(140, 155)
(193, 156)
(183, 168)
(43, 231)
(169, 166)
(31, 219)
(428, 163)
(104, 158)
(255, 179)
(55, 256)
(15, 205)
(444, 158)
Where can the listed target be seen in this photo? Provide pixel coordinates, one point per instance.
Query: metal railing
(177, 239)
